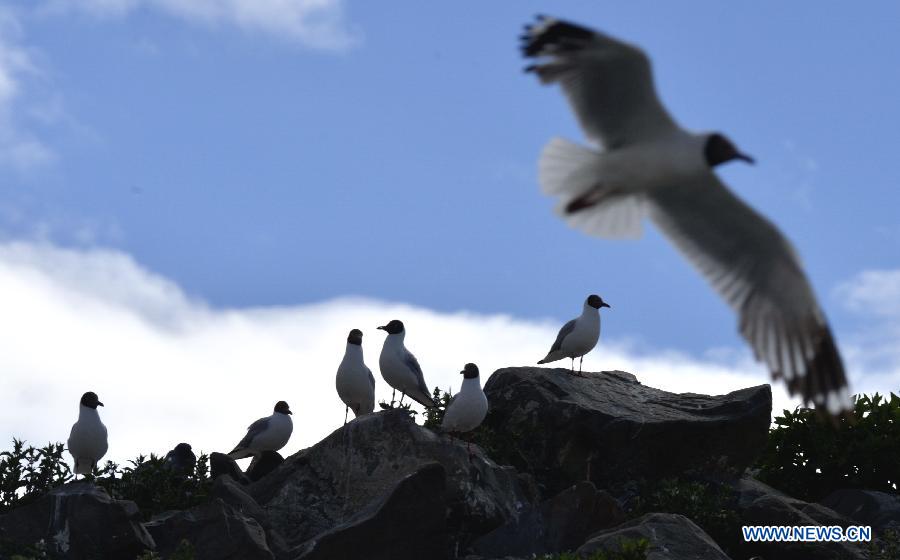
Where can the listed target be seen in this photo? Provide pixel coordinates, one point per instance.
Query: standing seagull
(401, 369)
(647, 165)
(266, 434)
(355, 382)
(87, 440)
(579, 336)
(467, 409)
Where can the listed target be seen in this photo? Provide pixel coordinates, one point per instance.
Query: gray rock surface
(559, 524)
(409, 524)
(79, 521)
(671, 537)
(319, 488)
(608, 428)
(866, 507)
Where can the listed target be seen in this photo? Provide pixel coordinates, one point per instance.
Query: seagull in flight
(643, 164)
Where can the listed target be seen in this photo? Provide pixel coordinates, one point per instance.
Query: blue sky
(271, 160)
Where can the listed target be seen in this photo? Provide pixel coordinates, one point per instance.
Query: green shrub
(886, 546)
(809, 457)
(713, 507)
(29, 472)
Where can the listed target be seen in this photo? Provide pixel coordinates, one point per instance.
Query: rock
(559, 524)
(879, 510)
(409, 524)
(78, 521)
(235, 495)
(671, 537)
(221, 464)
(324, 486)
(761, 505)
(215, 530)
(608, 428)
(263, 464)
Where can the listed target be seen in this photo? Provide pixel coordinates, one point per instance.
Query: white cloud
(171, 368)
(18, 147)
(315, 23)
(875, 292)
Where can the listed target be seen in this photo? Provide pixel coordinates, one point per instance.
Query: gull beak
(99, 403)
(382, 327)
(463, 372)
(289, 412)
(745, 157)
(604, 304)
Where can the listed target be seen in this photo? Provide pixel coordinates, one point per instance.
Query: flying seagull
(87, 440)
(579, 336)
(467, 409)
(644, 164)
(400, 368)
(355, 382)
(266, 434)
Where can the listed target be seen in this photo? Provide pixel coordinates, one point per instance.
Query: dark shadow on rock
(263, 464)
(879, 510)
(79, 521)
(560, 524)
(409, 524)
(608, 428)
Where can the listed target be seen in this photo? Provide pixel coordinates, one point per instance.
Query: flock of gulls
(355, 386)
(642, 164)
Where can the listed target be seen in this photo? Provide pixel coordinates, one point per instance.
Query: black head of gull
(394, 327)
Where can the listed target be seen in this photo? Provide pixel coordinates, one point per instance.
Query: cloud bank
(317, 24)
(171, 368)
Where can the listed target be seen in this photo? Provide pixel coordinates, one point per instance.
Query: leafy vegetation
(26, 473)
(711, 506)
(184, 551)
(628, 549)
(809, 457)
(886, 546)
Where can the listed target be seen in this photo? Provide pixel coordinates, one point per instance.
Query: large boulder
(319, 488)
(670, 537)
(761, 505)
(408, 524)
(559, 524)
(78, 521)
(866, 507)
(216, 530)
(608, 428)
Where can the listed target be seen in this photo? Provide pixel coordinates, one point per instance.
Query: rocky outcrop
(608, 428)
(409, 524)
(671, 537)
(320, 488)
(78, 521)
(866, 507)
(760, 504)
(559, 524)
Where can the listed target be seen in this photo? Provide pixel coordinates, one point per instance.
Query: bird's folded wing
(756, 270)
(608, 83)
(413, 364)
(253, 430)
(563, 332)
(371, 378)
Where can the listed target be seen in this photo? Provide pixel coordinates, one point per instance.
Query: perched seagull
(266, 434)
(87, 440)
(400, 368)
(467, 409)
(579, 336)
(181, 459)
(355, 382)
(644, 164)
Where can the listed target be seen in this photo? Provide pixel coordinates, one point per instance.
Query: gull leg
(393, 397)
(581, 359)
(402, 394)
(573, 364)
(346, 410)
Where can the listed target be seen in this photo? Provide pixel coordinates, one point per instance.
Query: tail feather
(574, 174)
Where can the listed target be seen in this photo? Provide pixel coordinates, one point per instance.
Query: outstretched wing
(608, 83)
(756, 270)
